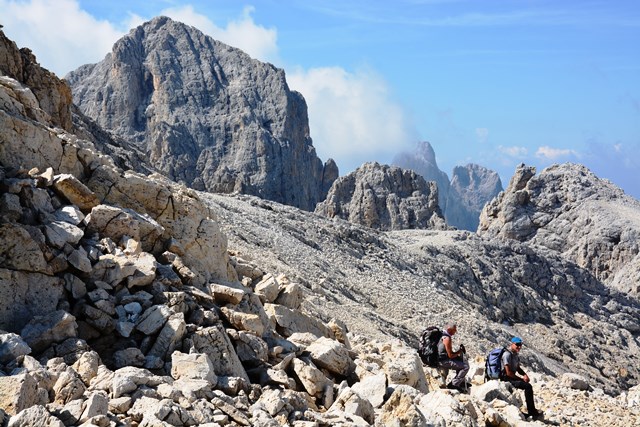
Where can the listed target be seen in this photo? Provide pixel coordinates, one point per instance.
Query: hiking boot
(536, 415)
(460, 388)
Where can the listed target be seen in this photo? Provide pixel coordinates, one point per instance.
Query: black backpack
(428, 349)
(493, 363)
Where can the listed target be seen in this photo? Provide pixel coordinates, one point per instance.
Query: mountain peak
(206, 114)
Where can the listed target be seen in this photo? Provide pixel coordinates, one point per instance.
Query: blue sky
(495, 83)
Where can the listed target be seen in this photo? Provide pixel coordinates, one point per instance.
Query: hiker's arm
(510, 373)
(447, 346)
(525, 377)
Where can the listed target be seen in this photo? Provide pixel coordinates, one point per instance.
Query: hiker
(511, 367)
(449, 359)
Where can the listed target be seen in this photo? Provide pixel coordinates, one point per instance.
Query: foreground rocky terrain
(128, 299)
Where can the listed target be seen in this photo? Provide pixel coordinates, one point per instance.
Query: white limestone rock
(331, 355)
(18, 392)
(34, 416)
(372, 388)
(268, 288)
(87, 366)
(290, 321)
(244, 321)
(311, 378)
(290, 296)
(68, 387)
(575, 381)
(153, 319)
(226, 294)
(353, 403)
(97, 403)
(192, 366)
(12, 346)
(401, 410)
(169, 337)
(76, 192)
(60, 233)
(403, 366)
(214, 342)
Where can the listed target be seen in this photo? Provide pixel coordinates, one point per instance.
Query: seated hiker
(510, 371)
(449, 359)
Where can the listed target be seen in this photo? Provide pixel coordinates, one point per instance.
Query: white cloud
(60, 34)
(553, 154)
(515, 152)
(259, 42)
(63, 36)
(482, 134)
(353, 118)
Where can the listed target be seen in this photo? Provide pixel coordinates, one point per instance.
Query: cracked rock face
(423, 162)
(206, 114)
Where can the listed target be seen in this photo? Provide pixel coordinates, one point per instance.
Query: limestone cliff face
(384, 197)
(53, 95)
(206, 114)
(570, 210)
(472, 186)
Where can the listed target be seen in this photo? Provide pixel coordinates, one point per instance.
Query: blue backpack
(493, 364)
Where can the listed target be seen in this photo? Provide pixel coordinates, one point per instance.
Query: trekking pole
(465, 360)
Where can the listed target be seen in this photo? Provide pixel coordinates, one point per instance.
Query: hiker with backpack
(449, 359)
(510, 370)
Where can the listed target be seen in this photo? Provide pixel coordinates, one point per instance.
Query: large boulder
(12, 346)
(332, 356)
(54, 327)
(215, 343)
(18, 392)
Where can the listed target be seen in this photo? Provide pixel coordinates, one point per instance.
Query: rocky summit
(127, 299)
(568, 209)
(205, 114)
(384, 197)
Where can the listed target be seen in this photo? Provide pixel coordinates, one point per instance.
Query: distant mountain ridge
(460, 199)
(472, 186)
(206, 114)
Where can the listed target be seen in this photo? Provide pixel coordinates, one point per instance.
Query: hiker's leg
(461, 369)
(528, 394)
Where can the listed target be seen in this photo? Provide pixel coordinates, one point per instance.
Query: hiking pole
(464, 360)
